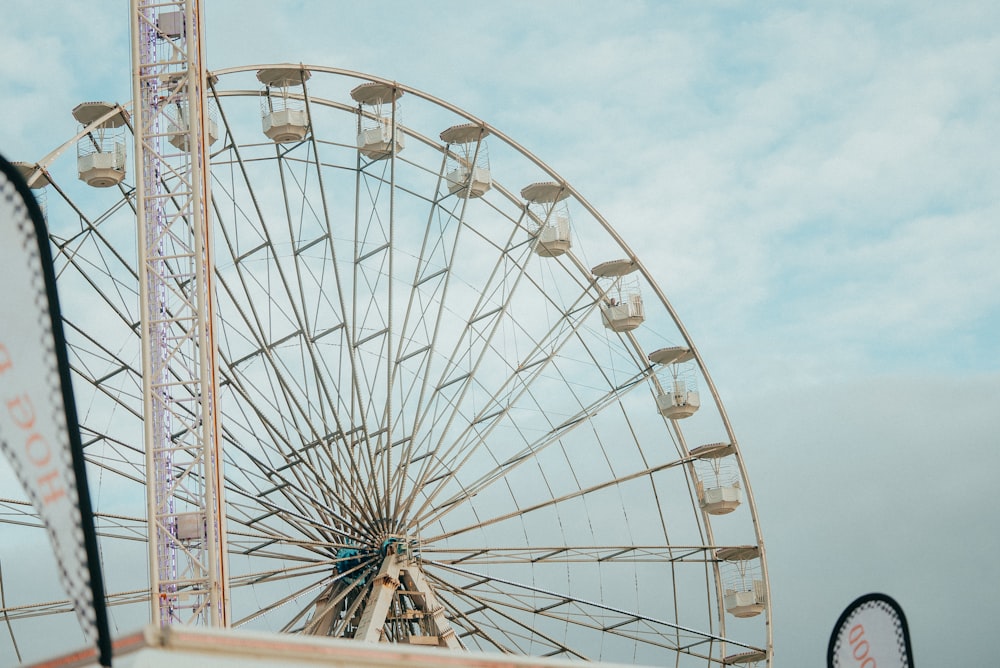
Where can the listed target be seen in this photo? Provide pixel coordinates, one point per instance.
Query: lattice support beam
(187, 536)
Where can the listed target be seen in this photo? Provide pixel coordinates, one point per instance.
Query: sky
(816, 187)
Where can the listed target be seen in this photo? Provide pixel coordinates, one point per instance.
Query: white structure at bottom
(213, 648)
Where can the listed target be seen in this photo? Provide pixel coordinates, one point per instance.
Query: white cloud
(814, 187)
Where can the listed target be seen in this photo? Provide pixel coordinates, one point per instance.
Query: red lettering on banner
(38, 450)
(5, 361)
(22, 412)
(51, 487)
(860, 647)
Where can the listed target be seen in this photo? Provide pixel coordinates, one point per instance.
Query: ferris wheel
(450, 396)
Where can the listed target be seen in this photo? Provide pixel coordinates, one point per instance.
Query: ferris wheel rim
(577, 198)
(570, 191)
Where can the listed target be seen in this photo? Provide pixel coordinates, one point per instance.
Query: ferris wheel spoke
(473, 437)
(569, 554)
(496, 406)
(89, 225)
(259, 329)
(122, 467)
(306, 238)
(18, 512)
(118, 369)
(6, 619)
(342, 507)
(307, 517)
(516, 629)
(306, 468)
(121, 527)
(248, 390)
(427, 514)
(338, 591)
(280, 544)
(521, 511)
(307, 513)
(318, 607)
(124, 291)
(305, 521)
(480, 325)
(521, 635)
(294, 518)
(408, 345)
(65, 606)
(320, 570)
(467, 627)
(307, 331)
(372, 280)
(476, 630)
(87, 267)
(260, 508)
(102, 448)
(274, 481)
(422, 321)
(295, 460)
(124, 393)
(319, 567)
(491, 315)
(584, 614)
(280, 603)
(304, 610)
(370, 320)
(350, 613)
(383, 456)
(260, 537)
(432, 269)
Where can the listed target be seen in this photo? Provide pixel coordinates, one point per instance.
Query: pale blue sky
(815, 185)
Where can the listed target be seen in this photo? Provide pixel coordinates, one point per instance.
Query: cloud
(829, 176)
(813, 186)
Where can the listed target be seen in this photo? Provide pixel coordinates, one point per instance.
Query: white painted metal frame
(186, 511)
(351, 424)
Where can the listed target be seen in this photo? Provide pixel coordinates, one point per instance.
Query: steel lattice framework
(183, 460)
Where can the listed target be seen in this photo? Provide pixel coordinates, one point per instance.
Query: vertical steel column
(186, 517)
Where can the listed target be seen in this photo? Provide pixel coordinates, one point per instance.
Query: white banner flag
(38, 428)
(871, 633)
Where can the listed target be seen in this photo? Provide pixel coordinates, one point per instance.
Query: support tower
(186, 518)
